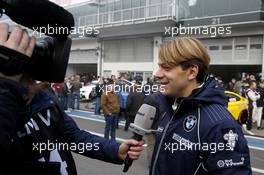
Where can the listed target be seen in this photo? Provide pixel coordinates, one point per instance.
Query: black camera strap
(12, 62)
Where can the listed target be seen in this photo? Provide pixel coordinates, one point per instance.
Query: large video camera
(50, 57)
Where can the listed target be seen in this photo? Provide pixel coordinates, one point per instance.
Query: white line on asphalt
(84, 111)
(258, 170)
(79, 111)
(102, 135)
(244, 127)
(93, 119)
(250, 132)
(259, 138)
(256, 148)
(118, 139)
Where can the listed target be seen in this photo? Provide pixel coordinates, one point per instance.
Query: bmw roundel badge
(189, 123)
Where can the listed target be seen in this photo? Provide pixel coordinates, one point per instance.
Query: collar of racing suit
(208, 93)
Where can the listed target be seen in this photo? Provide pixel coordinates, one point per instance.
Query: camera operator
(30, 116)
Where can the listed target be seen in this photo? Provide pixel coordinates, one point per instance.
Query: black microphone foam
(39, 13)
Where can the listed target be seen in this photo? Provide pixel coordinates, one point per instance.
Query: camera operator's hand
(18, 40)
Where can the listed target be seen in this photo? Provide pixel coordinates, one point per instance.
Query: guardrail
(159, 11)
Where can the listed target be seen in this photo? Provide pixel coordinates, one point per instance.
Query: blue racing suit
(198, 136)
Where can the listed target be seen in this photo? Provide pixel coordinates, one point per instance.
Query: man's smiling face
(183, 64)
(173, 79)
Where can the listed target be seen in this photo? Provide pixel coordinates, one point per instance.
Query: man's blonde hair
(185, 51)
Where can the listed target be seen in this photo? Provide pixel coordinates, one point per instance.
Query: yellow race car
(237, 105)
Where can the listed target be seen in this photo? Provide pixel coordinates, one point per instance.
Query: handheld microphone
(141, 126)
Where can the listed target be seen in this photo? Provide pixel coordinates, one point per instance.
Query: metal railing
(123, 16)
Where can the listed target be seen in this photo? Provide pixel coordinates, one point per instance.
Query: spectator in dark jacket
(134, 101)
(148, 86)
(75, 89)
(63, 95)
(231, 84)
(98, 90)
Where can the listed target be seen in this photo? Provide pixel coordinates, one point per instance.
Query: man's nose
(159, 74)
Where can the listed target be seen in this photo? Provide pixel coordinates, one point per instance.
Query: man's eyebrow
(163, 64)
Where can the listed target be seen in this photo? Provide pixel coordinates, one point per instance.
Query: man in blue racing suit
(196, 134)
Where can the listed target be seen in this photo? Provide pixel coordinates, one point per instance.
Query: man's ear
(193, 72)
